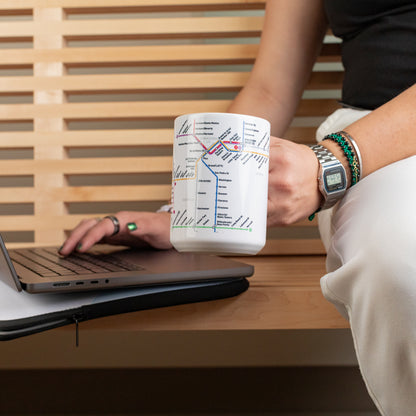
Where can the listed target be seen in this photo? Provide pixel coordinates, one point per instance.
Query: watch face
(334, 179)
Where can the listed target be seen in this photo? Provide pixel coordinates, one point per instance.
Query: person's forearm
(254, 101)
(386, 135)
(291, 39)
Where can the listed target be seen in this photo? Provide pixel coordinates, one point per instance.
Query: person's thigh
(371, 279)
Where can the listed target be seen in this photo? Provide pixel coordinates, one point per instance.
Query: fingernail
(131, 226)
(60, 248)
(79, 246)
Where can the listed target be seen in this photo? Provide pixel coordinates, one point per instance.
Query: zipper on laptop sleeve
(77, 318)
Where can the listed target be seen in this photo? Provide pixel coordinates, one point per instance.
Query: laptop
(42, 269)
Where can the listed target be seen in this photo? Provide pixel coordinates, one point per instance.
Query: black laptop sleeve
(23, 314)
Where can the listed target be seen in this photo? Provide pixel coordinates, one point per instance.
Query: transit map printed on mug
(219, 183)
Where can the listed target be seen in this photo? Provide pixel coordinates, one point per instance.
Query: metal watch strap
(323, 154)
(325, 158)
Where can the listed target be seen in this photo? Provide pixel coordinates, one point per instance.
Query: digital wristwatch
(332, 178)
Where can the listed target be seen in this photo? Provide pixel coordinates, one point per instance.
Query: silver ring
(115, 222)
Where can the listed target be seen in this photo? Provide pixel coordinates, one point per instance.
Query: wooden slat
(13, 195)
(142, 110)
(100, 165)
(111, 111)
(43, 203)
(88, 138)
(27, 222)
(138, 55)
(161, 4)
(88, 194)
(184, 82)
(187, 81)
(125, 138)
(147, 55)
(162, 27)
(113, 193)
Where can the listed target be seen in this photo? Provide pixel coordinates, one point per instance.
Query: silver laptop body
(42, 269)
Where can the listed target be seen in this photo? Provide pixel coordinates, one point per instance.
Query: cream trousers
(370, 237)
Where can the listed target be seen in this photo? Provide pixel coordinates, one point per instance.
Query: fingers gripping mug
(219, 183)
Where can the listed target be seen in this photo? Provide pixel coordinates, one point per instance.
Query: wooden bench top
(284, 293)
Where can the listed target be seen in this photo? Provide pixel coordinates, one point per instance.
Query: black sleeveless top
(378, 48)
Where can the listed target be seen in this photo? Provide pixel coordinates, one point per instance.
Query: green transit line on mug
(211, 227)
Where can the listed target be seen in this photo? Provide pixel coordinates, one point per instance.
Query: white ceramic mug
(219, 183)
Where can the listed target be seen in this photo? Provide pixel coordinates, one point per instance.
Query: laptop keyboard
(46, 262)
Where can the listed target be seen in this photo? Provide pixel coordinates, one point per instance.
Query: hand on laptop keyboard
(134, 229)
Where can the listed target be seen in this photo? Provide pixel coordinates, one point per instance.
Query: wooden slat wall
(88, 93)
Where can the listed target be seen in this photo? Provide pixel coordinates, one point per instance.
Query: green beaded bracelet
(349, 154)
(356, 150)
